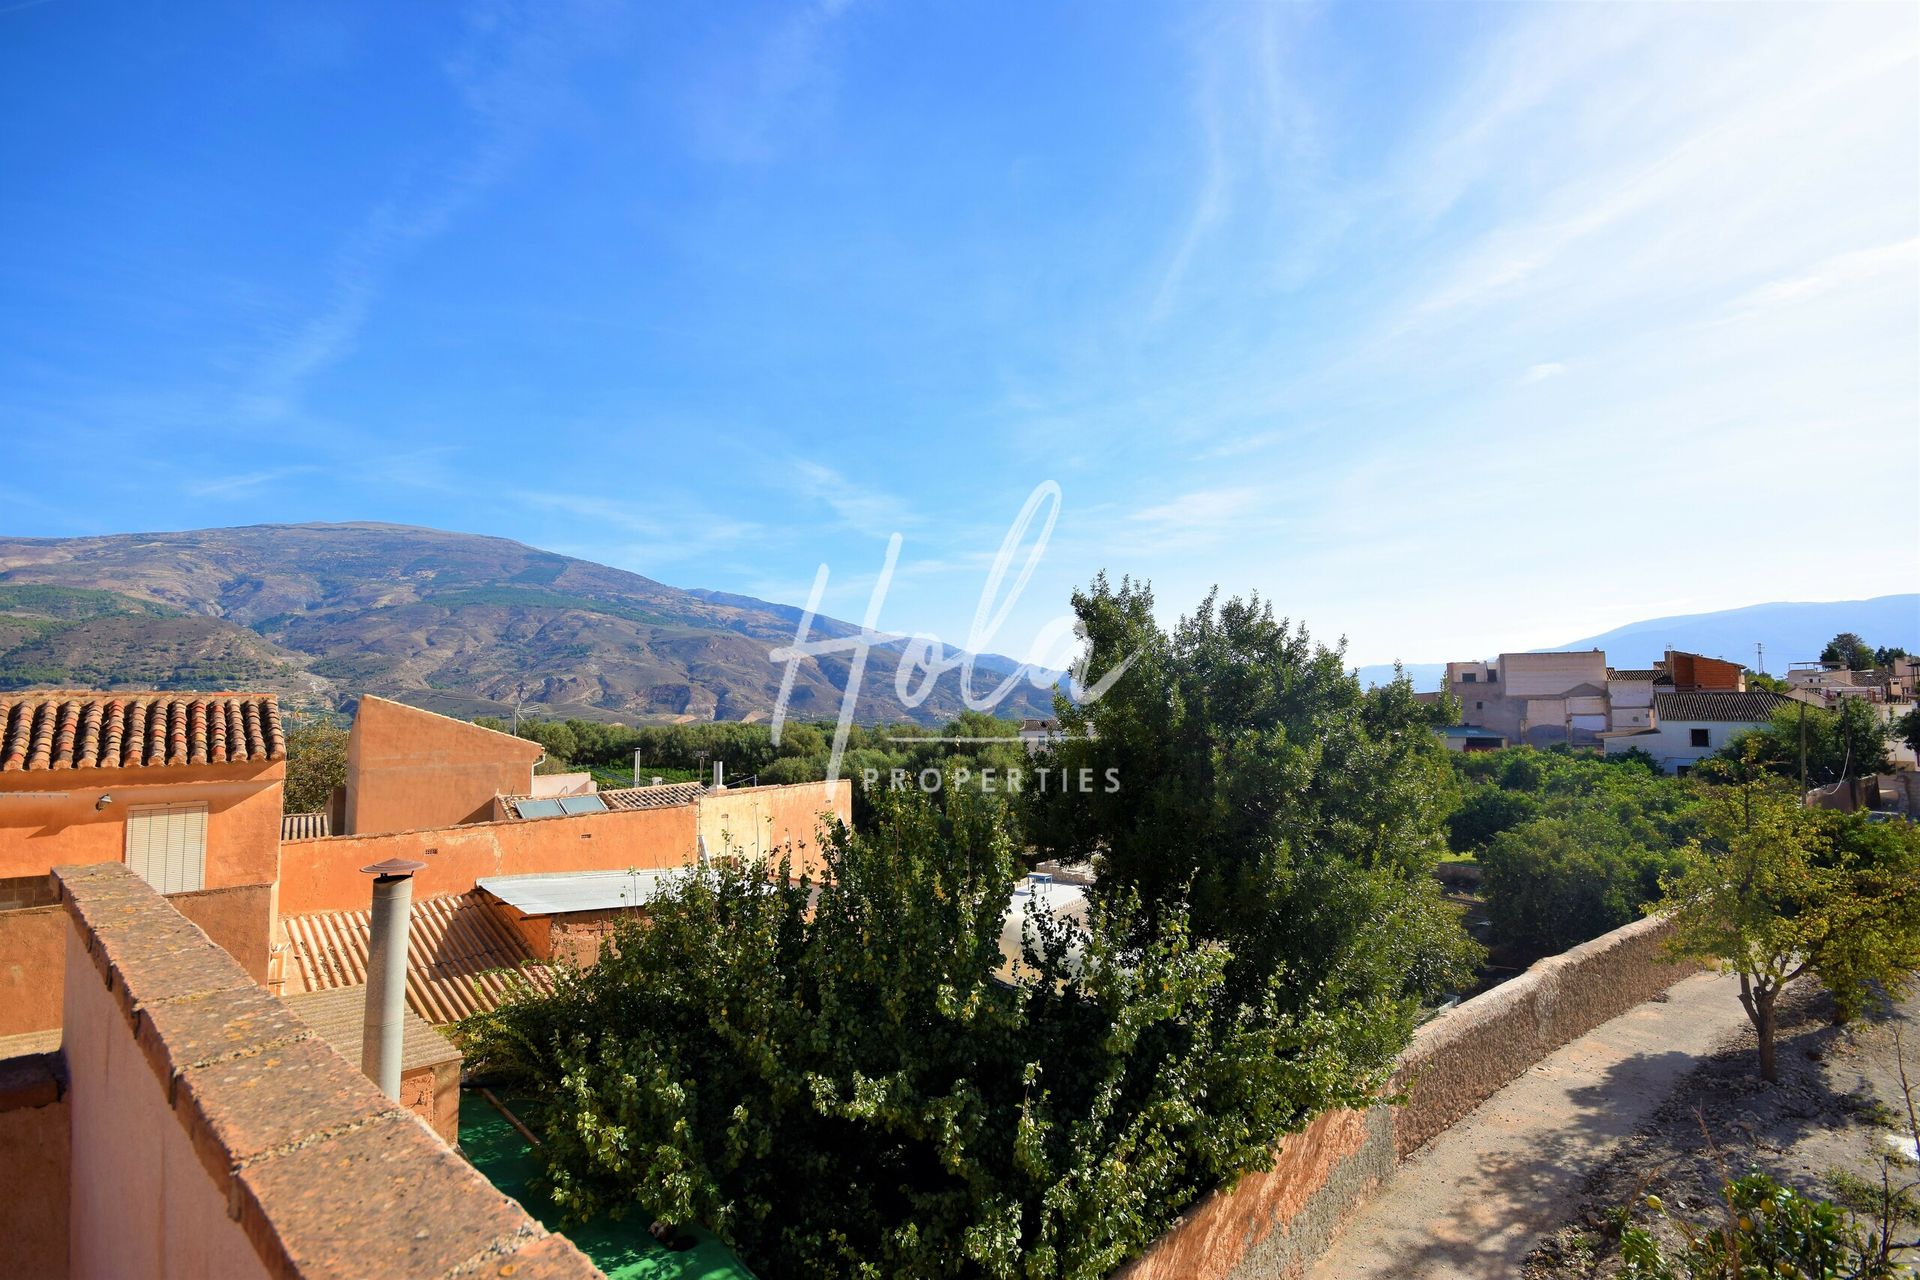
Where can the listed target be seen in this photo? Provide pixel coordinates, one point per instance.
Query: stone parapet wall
(1274, 1224)
(1468, 1053)
(213, 1133)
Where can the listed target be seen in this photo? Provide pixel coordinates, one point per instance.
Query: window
(1469, 678)
(1699, 737)
(167, 846)
(1479, 706)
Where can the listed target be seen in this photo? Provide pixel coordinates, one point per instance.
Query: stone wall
(1272, 1225)
(1465, 1055)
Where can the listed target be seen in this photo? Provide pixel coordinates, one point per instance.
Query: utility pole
(1760, 658)
(1803, 747)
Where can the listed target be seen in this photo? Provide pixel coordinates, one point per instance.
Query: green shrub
(1769, 1231)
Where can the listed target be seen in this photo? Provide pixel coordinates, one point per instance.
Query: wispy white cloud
(244, 483)
(650, 529)
(860, 508)
(781, 78)
(509, 74)
(1542, 371)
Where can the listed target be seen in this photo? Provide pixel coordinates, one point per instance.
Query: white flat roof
(559, 893)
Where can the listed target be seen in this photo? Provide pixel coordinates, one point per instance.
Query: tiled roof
(669, 795)
(461, 957)
(1632, 674)
(1723, 706)
(305, 826)
(339, 1017)
(62, 730)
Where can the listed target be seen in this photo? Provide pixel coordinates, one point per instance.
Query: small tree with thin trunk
(1754, 898)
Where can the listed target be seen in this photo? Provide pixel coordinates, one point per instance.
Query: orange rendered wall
(41, 828)
(760, 820)
(325, 875)
(33, 949)
(408, 769)
(33, 959)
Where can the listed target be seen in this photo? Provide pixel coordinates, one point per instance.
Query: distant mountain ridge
(1789, 631)
(462, 623)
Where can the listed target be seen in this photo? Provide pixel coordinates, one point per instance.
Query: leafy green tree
(1886, 655)
(1908, 727)
(316, 764)
(1850, 741)
(1553, 883)
(1752, 896)
(843, 1077)
(1848, 650)
(1241, 776)
(1873, 937)
(1486, 812)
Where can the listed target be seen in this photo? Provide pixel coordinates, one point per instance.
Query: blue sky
(1451, 328)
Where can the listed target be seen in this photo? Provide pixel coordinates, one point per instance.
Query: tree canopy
(316, 764)
(1296, 817)
(1850, 741)
(841, 1078)
(1775, 890)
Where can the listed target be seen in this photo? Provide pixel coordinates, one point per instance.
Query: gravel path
(1480, 1197)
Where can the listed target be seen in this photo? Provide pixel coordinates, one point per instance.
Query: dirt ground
(1829, 1127)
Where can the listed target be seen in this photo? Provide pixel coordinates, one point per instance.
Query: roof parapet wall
(323, 1174)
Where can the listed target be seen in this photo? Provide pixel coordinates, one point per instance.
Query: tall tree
(1241, 774)
(1850, 741)
(1848, 650)
(1753, 898)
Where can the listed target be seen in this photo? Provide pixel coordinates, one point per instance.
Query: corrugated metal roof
(339, 1017)
(305, 826)
(557, 894)
(461, 957)
(1716, 707)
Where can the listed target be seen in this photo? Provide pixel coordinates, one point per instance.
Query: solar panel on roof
(582, 804)
(540, 808)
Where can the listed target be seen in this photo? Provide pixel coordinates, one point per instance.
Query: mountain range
(470, 625)
(459, 623)
(1789, 632)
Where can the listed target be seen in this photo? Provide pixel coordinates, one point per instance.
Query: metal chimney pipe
(719, 775)
(383, 1025)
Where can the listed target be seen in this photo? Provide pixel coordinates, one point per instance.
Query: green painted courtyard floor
(623, 1249)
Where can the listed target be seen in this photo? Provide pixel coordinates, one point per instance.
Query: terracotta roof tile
(306, 826)
(1718, 706)
(83, 730)
(669, 795)
(461, 957)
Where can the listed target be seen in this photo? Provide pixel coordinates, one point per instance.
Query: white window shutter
(167, 846)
